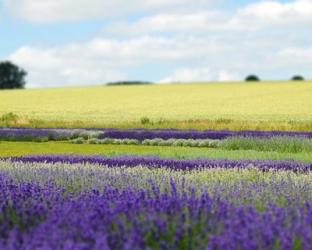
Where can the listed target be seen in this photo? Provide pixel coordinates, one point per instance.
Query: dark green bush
(297, 78)
(128, 83)
(252, 78)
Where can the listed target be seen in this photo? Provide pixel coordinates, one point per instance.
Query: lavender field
(138, 201)
(155, 125)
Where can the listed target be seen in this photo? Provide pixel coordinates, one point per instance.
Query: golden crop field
(243, 103)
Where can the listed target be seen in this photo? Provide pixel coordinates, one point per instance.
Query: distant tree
(128, 83)
(252, 78)
(11, 76)
(297, 78)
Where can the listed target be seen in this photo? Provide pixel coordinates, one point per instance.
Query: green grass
(264, 105)
(26, 148)
(279, 144)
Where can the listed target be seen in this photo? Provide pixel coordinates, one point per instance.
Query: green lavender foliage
(278, 144)
(281, 144)
(152, 142)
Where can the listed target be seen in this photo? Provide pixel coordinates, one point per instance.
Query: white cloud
(200, 74)
(271, 13)
(252, 17)
(68, 10)
(63, 67)
(147, 48)
(101, 60)
(224, 76)
(204, 43)
(296, 57)
(189, 75)
(172, 22)
(189, 12)
(164, 15)
(204, 59)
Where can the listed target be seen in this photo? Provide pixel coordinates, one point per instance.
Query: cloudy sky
(81, 42)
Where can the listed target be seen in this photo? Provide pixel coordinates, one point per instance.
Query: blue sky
(80, 42)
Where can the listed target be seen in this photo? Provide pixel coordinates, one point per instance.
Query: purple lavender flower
(142, 134)
(132, 161)
(36, 217)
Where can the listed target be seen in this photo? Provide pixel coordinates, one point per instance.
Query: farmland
(264, 106)
(194, 166)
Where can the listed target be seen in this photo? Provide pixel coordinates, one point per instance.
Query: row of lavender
(47, 216)
(156, 162)
(142, 134)
(138, 134)
(256, 187)
(42, 134)
(131, 202)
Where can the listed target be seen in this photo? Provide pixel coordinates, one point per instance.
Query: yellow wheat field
(268, 101)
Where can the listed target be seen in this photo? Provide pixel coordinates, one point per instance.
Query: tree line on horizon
(13, 77)
(255, 78)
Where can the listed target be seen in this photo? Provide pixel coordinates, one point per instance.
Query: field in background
(264, 105)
